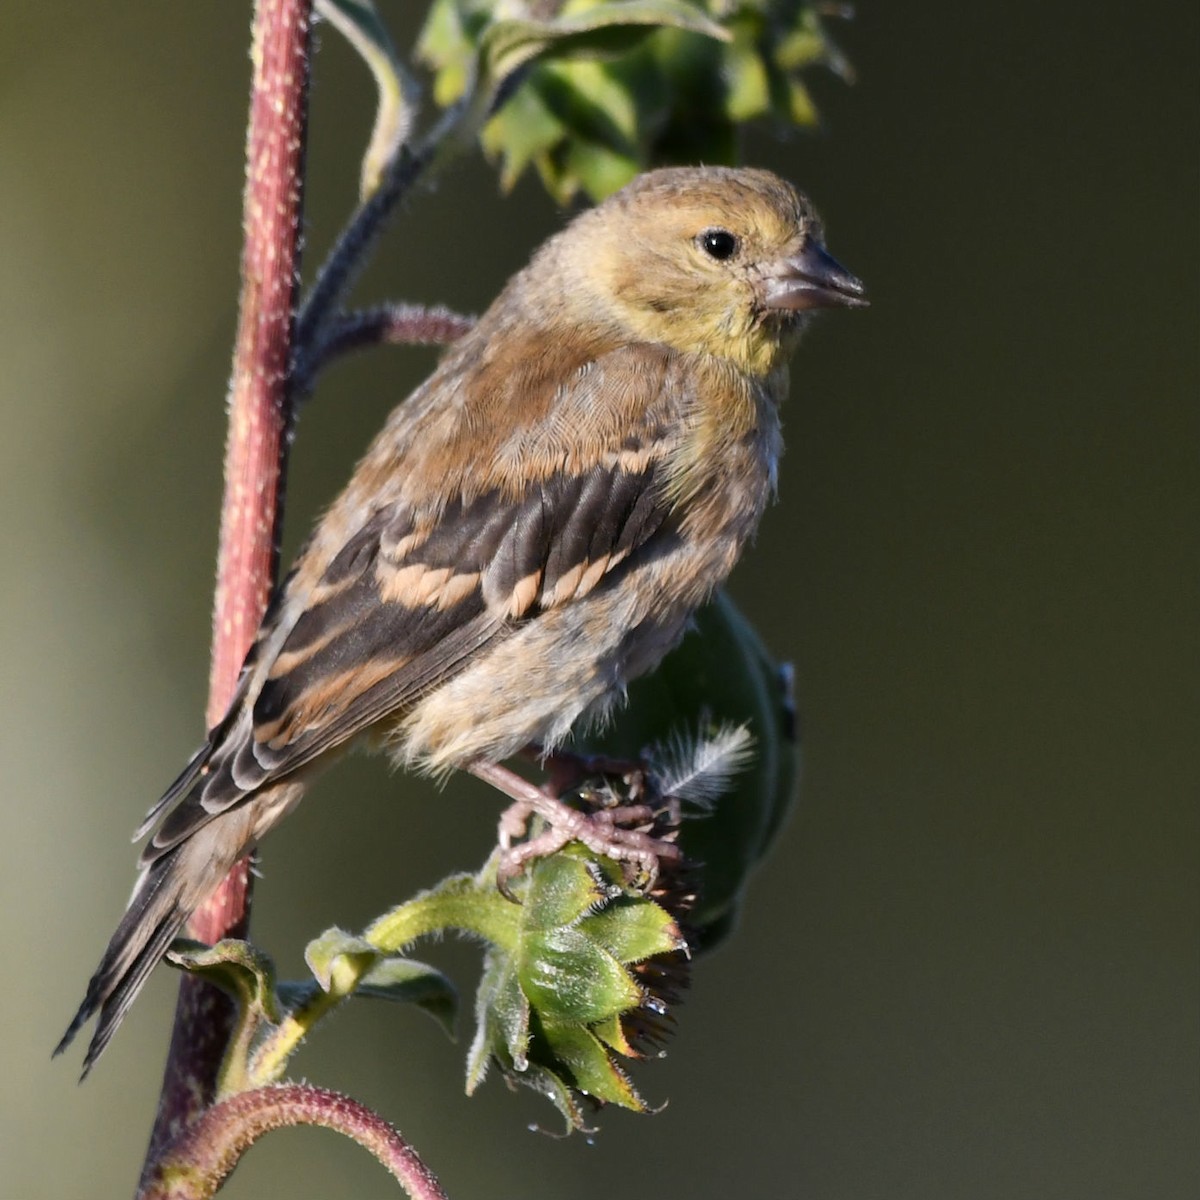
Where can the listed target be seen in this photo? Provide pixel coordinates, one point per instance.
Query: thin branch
(195, 1165)
(355, 242)
(385, 325)
(255, 471)
(450, 133)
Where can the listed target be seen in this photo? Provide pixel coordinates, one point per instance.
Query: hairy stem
(195, 1165)
(384, 325)
(354, 244)
(255, 461)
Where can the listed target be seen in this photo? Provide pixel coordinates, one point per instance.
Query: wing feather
(417, 591)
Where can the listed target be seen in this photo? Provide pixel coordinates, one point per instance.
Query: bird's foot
(609, 826)
(567, 771)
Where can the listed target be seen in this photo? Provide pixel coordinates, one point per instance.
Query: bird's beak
(812, 278)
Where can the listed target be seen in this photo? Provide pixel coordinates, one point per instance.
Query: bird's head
(709, 259)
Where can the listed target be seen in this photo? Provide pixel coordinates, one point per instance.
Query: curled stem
(386, 324)
(449, 135)
(354, 244)
(200, 1159)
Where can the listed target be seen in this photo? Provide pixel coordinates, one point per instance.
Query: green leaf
(590, 100)
(521, 131)
(611, 1032)
(561, 969)
(339, 960)
(532, 1066)
(248, 975)
(407, 981)
(634, 84)
(236, 967)
(804, 45)
(344, 966)
(362, 27)
(501, 1021)
(447, 45)
(562, 889)
(749, 93)
(800, 107)
(632, 929)
(568, 977)
(597, 169)
(602, 29)
(592, 1068)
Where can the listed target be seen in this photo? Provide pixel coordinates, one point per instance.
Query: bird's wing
(410, 599)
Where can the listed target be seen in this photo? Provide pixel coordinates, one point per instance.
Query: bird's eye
(718, 243)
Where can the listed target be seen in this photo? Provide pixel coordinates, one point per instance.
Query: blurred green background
(970, 968)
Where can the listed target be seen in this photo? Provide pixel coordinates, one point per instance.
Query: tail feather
(168, 892)
(206, 820)
(209, 786)
(150, 923)
(141, 940)
(199, 764)
(182, 785)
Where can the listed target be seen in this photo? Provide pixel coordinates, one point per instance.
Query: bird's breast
(722, 471)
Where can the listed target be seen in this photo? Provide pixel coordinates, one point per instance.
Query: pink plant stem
(394, 325)
(387, 324)
(255, 470)
(197, 1163)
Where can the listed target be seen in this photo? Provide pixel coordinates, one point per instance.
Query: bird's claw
(616, 830)
(569, 771)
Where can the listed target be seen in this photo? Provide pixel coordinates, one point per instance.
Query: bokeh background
(969, 970)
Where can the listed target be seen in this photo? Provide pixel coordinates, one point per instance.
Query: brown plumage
(531, 530)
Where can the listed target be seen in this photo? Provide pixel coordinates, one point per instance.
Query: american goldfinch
(532, 529)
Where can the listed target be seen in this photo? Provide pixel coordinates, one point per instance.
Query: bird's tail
(210, 817)
(169, 890)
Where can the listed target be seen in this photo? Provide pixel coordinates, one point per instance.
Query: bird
(532, 529)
